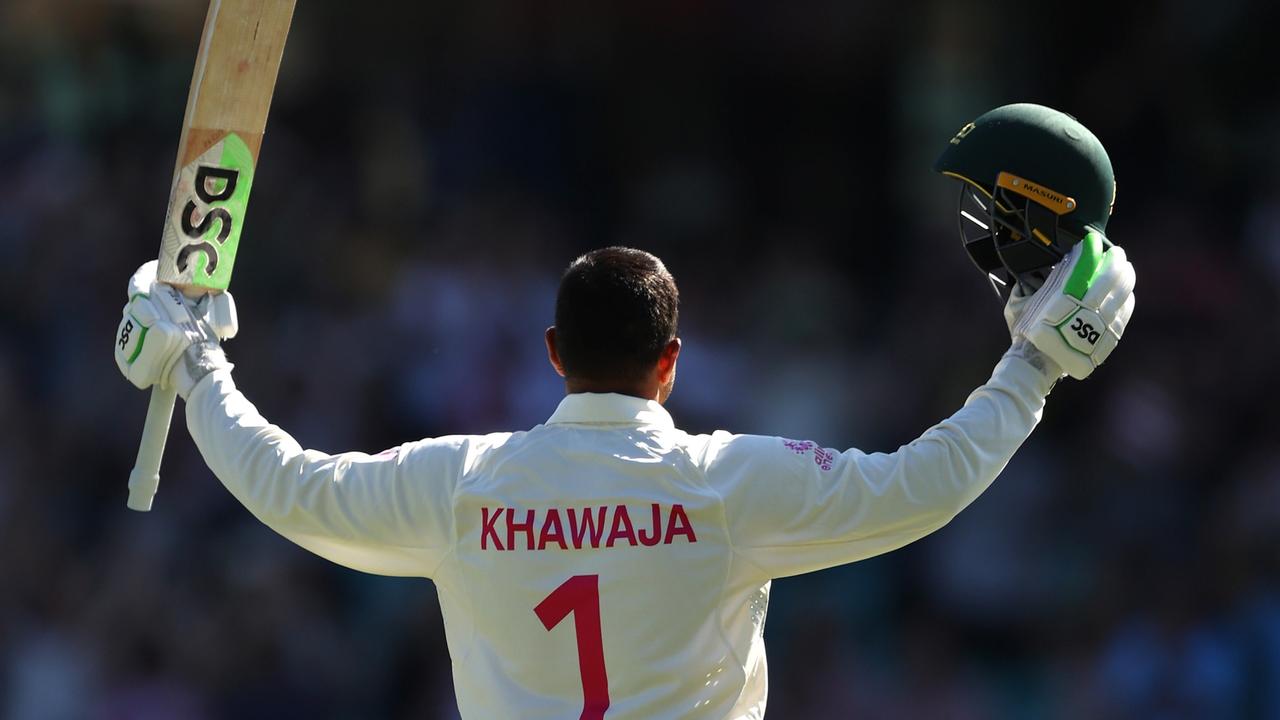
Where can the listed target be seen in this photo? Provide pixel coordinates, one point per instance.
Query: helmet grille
(1010, 238)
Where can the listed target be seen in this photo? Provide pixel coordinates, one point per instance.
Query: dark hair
(615, 312)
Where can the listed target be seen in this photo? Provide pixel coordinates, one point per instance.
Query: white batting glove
(1077, 317)
(167, 339)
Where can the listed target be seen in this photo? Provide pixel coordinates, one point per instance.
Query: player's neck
(644, 391)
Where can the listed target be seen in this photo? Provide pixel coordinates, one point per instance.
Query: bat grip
(145, 477)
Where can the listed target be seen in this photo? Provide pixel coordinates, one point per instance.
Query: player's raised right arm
(389, 513)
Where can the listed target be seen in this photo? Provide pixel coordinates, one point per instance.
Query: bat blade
(231, 88)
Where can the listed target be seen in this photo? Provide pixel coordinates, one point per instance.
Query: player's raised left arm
(794, 507)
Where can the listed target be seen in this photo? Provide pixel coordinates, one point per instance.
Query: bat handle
(145, 477)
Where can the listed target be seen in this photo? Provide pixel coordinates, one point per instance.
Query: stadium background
(431, 167)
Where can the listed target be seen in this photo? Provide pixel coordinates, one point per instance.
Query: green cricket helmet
(1034, 183)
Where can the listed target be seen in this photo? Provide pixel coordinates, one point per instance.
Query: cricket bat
(230, 94)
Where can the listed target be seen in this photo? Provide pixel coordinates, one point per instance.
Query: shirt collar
(610, 408)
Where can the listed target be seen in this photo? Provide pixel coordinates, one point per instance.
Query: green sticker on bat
(206, 211)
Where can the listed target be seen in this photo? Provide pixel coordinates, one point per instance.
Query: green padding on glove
(1087, 268)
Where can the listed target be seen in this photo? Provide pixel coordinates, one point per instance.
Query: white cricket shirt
(606, 564)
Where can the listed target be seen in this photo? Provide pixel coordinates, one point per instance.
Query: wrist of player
(1029, 353)
(1077, 317)
(1014, 308)
(195, 363)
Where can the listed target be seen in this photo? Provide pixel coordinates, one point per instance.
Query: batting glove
(1077, 317)
(168, 339)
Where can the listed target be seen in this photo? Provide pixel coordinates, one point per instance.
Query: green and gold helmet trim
(1055, 201)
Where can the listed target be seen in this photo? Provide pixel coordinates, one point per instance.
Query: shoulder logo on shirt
(581, 528)
(822, 457)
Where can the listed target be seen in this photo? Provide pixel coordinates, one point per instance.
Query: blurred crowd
(430, 168)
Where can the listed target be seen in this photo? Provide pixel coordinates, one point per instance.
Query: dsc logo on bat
(207, 195)
(205, 214)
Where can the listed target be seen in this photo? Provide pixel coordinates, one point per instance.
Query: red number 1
(580, 595)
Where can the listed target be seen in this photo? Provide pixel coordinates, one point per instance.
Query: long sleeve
(389, 514)
(794, 507)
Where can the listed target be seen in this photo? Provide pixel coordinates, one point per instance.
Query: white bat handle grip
(145, 477)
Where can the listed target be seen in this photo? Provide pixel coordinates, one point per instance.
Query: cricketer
(605, 563)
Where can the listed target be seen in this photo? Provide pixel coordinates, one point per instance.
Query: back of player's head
(615, 313)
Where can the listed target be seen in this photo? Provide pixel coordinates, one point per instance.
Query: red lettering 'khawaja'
(586, 528)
